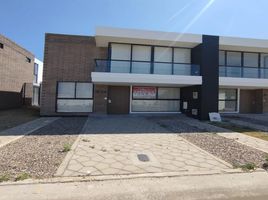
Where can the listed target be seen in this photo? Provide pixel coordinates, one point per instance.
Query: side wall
(66, 58)
(15, 70)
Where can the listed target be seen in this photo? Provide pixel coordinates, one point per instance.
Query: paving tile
(117, 153)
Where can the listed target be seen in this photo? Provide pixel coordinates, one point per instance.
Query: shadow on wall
(10, 99)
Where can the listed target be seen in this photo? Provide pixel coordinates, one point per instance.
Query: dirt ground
(14, 117)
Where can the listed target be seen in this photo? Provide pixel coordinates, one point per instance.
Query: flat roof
(104, 35)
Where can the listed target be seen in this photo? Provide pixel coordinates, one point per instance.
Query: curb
(70, 154)
(67, 158)
(56, 180)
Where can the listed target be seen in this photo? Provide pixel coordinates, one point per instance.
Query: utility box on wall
(190, 101)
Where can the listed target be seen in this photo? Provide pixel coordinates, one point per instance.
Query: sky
(27, 21)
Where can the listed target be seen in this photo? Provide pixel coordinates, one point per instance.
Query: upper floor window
(222, 58)
(149, 59)
(28, 60)
(264, 60)
(1, 45)
(121, 52)
(234, 58)
(251, 59)
(181, 55)
(141, 58)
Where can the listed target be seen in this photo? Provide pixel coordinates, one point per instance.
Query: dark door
(118, 100)
(247, 101)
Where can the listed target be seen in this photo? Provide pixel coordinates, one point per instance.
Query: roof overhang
(250, 83)
(108, 78)
(104, 35)
(243, 44)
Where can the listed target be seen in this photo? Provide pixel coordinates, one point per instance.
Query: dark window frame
(155, 99)
(1, 45)
(29, 60)
(73, 98)
(231, 100)
(242, 60)
(152, 52)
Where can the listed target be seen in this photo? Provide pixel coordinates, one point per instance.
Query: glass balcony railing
(146, 67)
(243, 72)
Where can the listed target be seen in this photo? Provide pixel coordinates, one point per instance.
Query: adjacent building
(124, 71)
(37, 81)
(16, 74)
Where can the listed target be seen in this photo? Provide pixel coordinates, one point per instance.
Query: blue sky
(26, 21)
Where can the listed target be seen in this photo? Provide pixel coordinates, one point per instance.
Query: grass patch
(232, 127)
(22, 177)
(259, 135)
(242, 129)
(66, 147)
(4, 178)
(246, 167)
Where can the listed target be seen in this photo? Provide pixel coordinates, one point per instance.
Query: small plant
(4, 177)
(92, 146)
(85, 140)
(266, 159)
(265, 164)
(246, 167)
(22, 177)
(116, 149)
(66, 147)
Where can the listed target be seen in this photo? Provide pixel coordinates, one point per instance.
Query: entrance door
(118, 100)
(247, 101)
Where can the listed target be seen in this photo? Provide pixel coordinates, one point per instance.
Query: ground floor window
(155, 99)
(227, 100)
(74, 97)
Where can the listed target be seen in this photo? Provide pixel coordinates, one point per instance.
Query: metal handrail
(104, 65)
(242, 72)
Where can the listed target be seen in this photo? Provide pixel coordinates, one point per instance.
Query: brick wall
(66, 58)
(15, 70)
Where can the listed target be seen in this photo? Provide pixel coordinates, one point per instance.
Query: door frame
(108, 98)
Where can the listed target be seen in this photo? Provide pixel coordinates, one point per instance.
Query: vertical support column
(207, 56)
(210, 76)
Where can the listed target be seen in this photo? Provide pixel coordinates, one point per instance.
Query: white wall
(40, 71)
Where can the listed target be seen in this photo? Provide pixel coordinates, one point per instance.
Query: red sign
(144, 92)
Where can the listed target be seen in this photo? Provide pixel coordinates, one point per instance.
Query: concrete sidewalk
(228, 186)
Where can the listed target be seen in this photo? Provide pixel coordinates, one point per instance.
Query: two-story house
(124, 71)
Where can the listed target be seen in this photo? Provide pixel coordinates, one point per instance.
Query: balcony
(243, 72)
(122, 72)
(146, 67)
